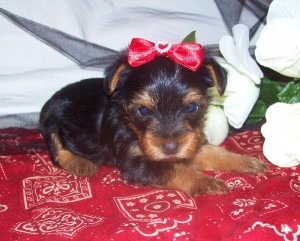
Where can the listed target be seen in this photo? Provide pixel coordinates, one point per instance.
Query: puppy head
(164, 104)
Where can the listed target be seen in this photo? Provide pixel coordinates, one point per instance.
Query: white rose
(243, 74)
(278, 46)
(216, 126)
(282, 134)
(241, 91)
(239, 97)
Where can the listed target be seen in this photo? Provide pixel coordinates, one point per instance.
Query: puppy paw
(211, 186)
(253, 165)
(187, 179)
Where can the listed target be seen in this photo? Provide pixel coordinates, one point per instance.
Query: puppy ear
(217, 75)
(114, 73)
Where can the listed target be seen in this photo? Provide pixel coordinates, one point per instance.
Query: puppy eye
(143, 110)
(192, 107)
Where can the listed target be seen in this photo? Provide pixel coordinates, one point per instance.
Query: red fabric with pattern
(39, 201)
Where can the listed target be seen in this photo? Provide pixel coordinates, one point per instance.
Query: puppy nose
(170, 147)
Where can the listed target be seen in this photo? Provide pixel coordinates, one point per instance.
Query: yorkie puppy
(146, 117)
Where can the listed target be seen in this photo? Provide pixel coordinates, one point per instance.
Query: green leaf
(257, 113)
(290, 93)
(190, 38)
(269, 90)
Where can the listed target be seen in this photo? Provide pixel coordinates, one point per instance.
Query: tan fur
(188, 146)
(144, 99)
(72, 163)
(135, 150)
(186, 179)
(215, 158)
(193, 96)
(214, 77)
(115, 79)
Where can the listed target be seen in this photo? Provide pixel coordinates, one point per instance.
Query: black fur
(95, 124)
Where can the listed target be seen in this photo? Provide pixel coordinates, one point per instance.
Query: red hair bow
(187, 54)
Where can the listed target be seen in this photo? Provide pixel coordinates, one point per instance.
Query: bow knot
(187, 54)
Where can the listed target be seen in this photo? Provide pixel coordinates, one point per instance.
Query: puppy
(145, 117)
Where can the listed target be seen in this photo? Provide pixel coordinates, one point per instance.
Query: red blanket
(39, 201)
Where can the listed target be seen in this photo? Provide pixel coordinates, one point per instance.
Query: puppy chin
(172, 158)
(175, 159)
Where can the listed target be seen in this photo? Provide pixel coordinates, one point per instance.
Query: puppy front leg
(168, 175)
(215, 158)
(185, 178)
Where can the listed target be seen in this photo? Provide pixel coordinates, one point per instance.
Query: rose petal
(282, 134)
(216, 125)
(229, 51)
(239, 97)
(278, 47)
(283, 9)
(238, 106)
(241, 38)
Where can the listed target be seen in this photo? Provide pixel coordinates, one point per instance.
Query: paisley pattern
(57, 221)
(39, 201)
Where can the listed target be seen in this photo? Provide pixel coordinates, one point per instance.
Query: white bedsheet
(31, 71)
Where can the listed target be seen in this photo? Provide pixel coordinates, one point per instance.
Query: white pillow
(20, 51)
(110, 23)
(157, 20)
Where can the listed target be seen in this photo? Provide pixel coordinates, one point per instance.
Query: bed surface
(39, 201)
